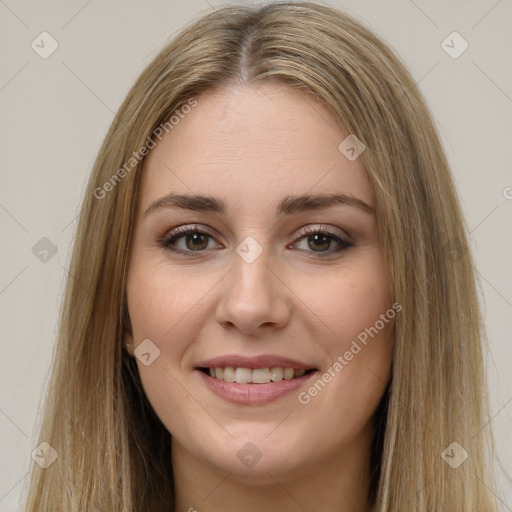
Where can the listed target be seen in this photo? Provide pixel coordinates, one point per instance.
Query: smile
(254, 393)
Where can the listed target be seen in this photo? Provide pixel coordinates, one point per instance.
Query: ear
(127, 326)
(128, 343)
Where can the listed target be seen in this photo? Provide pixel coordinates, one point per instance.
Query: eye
(319, 240)
(194, 240)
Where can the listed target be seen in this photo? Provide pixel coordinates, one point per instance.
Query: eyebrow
(287, 206)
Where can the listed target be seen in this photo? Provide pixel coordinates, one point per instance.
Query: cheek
(349, 300)
(356, 306)
(161, 298)
(158, 312)
(161, 303)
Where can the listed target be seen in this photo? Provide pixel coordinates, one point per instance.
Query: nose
(254, 297)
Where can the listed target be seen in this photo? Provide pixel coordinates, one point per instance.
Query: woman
(271, 302)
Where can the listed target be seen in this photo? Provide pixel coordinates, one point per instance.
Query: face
(258, 277)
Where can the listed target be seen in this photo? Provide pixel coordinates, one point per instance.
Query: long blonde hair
(113, 452)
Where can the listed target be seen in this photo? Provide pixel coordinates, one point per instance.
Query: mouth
(254, 380)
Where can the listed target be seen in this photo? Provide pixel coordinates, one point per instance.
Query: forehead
(254, 144)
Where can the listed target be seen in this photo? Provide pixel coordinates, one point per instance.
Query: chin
(254, 459)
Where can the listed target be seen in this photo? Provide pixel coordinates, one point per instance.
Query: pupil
(316, 237)
(196, 239)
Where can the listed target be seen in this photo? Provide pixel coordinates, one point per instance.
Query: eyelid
(327, 229)
(187, 229)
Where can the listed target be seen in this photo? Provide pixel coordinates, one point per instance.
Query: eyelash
(168, 240)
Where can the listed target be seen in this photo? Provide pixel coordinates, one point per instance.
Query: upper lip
(261, 361)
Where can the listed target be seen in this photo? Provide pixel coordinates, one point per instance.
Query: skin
(251, 146)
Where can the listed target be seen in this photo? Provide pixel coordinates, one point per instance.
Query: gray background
(56, 111)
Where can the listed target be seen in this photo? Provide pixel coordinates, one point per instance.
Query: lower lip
(253, 394)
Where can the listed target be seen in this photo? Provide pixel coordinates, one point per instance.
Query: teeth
(256, 376)
(288, 373)
(243, 375)
(229, 374)
(261, 375)
(276, 374)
